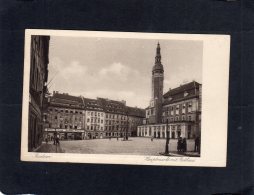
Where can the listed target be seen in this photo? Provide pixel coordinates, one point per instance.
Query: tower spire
(158, 54)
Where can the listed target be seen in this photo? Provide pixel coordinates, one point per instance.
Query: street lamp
(167, 139)
(127, 128)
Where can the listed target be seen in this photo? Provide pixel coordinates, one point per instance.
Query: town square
(124, 109)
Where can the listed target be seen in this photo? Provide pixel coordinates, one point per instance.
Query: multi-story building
(115, 117)
(37, 89)
(94, 127)
(177, 112)
(135, 118)
(65, 115)
(83, 118)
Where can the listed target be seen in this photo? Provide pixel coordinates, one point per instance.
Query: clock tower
(155, 107)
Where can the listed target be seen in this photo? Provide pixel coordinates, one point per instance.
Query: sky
(120, 69)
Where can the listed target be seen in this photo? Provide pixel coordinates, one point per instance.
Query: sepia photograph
(137, 98)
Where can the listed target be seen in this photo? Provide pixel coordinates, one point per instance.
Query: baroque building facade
(37, 89)
(76, 117)
(178, 111)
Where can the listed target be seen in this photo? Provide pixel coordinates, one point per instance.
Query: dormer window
(170, 98)
(185, 94)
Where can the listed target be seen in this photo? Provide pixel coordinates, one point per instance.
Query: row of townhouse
(76, 117)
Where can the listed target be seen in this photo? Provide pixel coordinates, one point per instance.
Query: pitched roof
(134, 111)
(100, 104)
(112, 105)
(65, 99)
(182, 92)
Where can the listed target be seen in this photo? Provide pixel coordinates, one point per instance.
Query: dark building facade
(37, 89)
(64, 115)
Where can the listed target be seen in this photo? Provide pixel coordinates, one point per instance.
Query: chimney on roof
(54, 92)
(124, 102)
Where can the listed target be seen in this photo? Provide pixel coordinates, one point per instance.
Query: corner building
(178, 111)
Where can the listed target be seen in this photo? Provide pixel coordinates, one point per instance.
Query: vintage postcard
(125, 98)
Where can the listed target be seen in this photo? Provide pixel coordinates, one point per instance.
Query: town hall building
(177, 112)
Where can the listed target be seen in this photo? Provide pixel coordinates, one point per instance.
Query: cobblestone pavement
(134, 146)
(50, 148)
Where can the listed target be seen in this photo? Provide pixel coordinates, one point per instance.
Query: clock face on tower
(158, 74)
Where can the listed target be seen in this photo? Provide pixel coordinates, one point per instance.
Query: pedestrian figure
(54, 138)
(152, 138)
(109, 137)
(179, 144)
(117, 138)
(184, 145)
(57, 140)
(197, 144)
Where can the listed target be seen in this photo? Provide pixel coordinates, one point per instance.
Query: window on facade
(177, 109)
(189, 118)
(91, 120)
(55, 117)
(190, 107)
(80, 113)
(101, 121)
(66, 126)
(75, 127)
(91, 127)
(183, 118)
(66, 111)
(71, 111)
(91, 113)
(88, 120)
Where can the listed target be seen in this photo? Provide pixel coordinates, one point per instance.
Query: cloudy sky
(120, 69)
